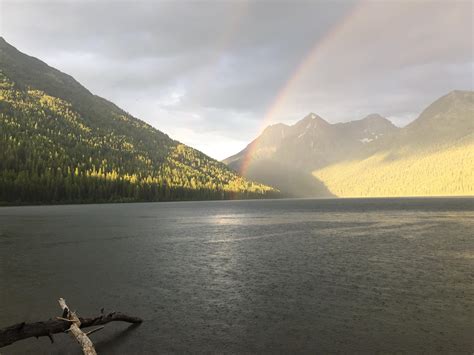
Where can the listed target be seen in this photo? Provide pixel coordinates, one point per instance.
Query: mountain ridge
(314, 125)
(442, 128)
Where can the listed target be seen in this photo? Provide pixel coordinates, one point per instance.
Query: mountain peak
(463, 95)
(311, 119)
(449, 117)
(273, 133)
(459, 92)
(377, 120)
(374, 117)
(275, 126)
(313, 116)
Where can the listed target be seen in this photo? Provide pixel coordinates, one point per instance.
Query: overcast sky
(212, 74)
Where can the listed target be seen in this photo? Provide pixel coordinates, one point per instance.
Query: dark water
(247, 276)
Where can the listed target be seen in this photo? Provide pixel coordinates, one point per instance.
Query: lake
(304, 275)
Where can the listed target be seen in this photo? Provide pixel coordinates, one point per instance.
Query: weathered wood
(75, 330)
(95, 330)
(23, 330)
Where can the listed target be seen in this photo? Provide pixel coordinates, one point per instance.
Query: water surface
(247, 276)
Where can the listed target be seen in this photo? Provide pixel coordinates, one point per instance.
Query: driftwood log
(69, 322)
(75, 330)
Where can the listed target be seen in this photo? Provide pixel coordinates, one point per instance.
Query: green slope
(432, 156)
(438, 171)
(60, 143)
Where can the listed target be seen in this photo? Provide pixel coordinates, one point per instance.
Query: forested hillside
(59, 143)
(442, 171)
(432, 156)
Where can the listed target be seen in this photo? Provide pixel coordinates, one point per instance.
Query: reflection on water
(247, 276)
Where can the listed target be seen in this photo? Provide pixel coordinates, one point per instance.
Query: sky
(214, 74)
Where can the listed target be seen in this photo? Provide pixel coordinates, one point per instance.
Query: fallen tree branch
(23, 330)
(94, 330)
(75, 330)
(64, 319)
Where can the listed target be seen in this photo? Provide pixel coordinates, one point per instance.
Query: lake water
(246, 276)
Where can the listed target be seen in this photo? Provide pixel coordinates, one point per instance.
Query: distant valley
(371, 157)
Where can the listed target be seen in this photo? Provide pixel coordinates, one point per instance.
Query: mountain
(446, 120)
(433, 155)
(312, 142)
(61, 143)
(285, 156)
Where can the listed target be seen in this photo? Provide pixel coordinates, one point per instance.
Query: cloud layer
(212, 73)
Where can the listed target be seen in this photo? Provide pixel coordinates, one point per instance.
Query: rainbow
(305, 65)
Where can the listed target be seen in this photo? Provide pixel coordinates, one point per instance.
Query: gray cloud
(207, 72)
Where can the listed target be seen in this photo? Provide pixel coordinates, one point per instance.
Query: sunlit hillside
(60, 143)
(446, 171)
